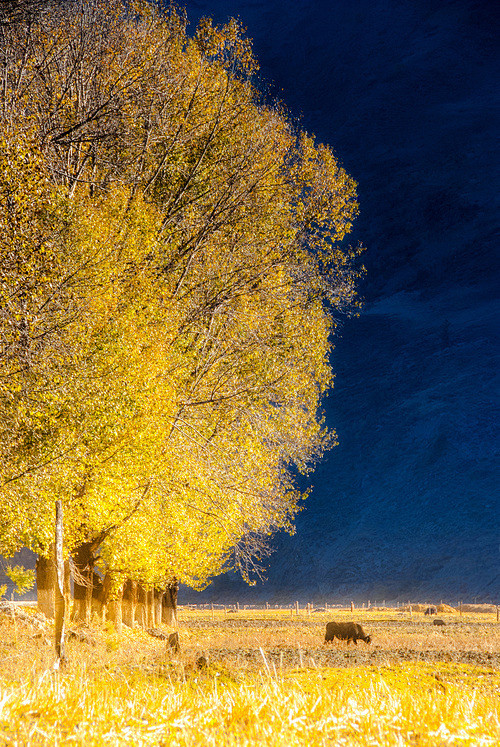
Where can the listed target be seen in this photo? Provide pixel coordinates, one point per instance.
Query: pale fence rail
(307, 608)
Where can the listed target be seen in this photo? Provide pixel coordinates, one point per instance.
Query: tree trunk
(83, 559)
(157, 604)
(112, 602)
(68, 578)
(60, 602)
(150, 609)
(169, 604)
(140, 610)
(46, 584)
(98, 600)
(129, 602)
(114, 612)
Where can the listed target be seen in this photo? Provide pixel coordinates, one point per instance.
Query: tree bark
(45, 584)
(68, 578)
(59, 621)
(83, 558)
(169, 604)
(157, 605)
(114, 612)
(140, 610)
(99, 594)
(129, 602)
(112, 602)
(150, 609)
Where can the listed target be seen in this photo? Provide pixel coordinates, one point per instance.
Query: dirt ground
(298, 642)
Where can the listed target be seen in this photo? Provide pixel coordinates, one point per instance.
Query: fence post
(60, 602)
(352, 606)
(296, 608)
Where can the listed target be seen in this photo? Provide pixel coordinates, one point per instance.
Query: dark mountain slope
(407, 504)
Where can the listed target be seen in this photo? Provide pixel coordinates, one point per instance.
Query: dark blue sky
(406, 92)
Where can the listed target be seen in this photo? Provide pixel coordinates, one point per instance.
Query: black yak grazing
(346, 631)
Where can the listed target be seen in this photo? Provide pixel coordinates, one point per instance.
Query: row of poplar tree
(170, 275)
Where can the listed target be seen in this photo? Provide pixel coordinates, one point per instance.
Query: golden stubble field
(265, 678)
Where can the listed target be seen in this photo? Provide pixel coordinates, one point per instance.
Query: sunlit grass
(126, 690)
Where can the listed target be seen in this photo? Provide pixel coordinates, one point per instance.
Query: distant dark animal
(438, 621)
(431, 611)
(346, 631)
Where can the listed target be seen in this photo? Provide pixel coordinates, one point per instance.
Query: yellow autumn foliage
(169, 292)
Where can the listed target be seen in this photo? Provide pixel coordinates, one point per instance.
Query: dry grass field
(266, 678)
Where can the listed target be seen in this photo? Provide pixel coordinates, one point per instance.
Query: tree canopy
(171, 271)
